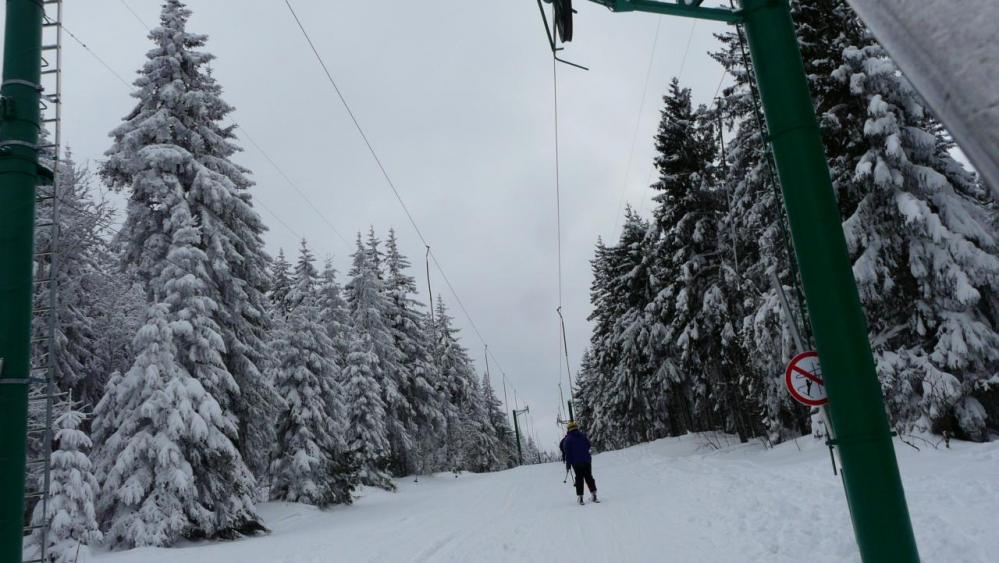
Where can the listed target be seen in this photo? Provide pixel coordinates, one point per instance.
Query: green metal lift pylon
(516, 429)
(19, 127)
(870, 471)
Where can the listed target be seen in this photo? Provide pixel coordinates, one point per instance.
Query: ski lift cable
(94, 55)
(638, 120)
(558, 197)
(357, 124)
(721, 80)
(686, 50)
(683, 65)
(565, 349)
(506, 398)
(384, 171)
(502, 374)
(135, 15)
(563, 346)
(293, 185)
(558, 215)
(562, 29)
(242, 129)
(534, 432)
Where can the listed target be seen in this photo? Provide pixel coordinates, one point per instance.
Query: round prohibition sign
(803, 378)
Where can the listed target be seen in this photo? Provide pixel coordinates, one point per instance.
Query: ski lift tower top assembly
(870, 471)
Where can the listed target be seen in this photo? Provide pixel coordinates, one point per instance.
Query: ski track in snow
(674, 500)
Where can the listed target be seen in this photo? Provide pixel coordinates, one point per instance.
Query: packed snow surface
(676, 500)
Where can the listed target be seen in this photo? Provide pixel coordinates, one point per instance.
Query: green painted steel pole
(19, 116)
(870, 471)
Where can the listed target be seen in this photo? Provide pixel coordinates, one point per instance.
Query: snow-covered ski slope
(675, 500)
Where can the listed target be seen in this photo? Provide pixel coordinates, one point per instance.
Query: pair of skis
(566, 479)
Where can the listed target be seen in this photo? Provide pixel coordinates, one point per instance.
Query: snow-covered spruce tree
(153, 425)
(394, 374)
(164, 406)
(699, 293)
(72, 519)
(309, 459)
(180, 109)
(926, 257)
(532, 455)
(586, 382)
(506, 442)
(596, 387)
(90, 291)
(477, 439)
(376, 258)
(825, 28)
(305, 279)
(420, 426)
(372, 364)
(119, 308)
(280, 283)
(433, 453)
(224, 482)
(367, 436)
(333, 311)
(458, 382)
(84, 258)
(623, 339)
(683, 261)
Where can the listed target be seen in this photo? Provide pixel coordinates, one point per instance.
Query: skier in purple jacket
(576, 454)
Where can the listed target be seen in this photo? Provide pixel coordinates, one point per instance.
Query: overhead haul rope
(561, 29)
(563, 344)
(135, 15)
(558, 199)
(638, 121)
(430, 292)
(774, 180)
(384, 172)
(558, 227)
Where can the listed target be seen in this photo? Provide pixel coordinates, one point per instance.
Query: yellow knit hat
(572, 425)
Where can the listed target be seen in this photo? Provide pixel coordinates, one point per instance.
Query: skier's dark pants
(584, 471)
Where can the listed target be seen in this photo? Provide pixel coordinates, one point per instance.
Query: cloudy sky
(456, 97)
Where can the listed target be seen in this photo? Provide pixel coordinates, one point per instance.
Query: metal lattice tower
(45, 313)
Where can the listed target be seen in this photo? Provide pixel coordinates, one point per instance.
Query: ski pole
(567, 469)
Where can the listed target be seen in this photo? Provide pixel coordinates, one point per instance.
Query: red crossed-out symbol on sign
(804, 369)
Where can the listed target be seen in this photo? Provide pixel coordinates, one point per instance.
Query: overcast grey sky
(456, 97)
